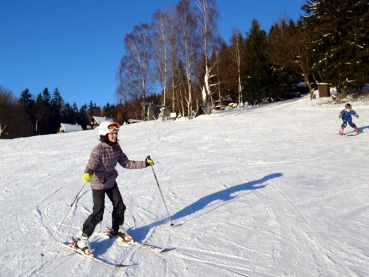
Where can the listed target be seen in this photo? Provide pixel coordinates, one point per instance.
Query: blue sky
(76, 45)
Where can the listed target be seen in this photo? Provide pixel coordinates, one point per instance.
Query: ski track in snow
(263, 191)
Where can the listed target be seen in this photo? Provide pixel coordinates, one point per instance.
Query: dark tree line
(46, 111)
(14, 121)
(42, 114)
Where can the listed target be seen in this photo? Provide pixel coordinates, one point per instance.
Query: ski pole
(161, 193)
(70, 207)
(361, 120)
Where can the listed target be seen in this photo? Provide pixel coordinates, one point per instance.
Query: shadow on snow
(224, 195)
(363, 128)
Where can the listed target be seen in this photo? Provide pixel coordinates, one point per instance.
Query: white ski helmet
(108, 127)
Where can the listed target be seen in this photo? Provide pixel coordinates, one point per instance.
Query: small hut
(97, 120)
(324, 90)
(68, 128)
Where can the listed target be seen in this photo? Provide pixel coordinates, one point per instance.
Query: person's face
(113, 137)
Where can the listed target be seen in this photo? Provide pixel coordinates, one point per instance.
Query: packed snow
(271, 190)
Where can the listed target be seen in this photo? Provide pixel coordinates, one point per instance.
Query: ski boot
(83, 245)
(121, 233)
(341, 131)
(357, 130)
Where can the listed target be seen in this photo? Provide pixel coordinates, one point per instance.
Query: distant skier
(101, 173)
(346, 115)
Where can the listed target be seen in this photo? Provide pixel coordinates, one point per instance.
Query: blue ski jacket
(347, 115)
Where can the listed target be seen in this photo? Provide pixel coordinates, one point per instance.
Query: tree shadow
(224, 195)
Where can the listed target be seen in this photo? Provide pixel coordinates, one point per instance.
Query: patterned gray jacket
(102, 163)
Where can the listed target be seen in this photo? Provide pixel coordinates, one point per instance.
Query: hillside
(262, 191)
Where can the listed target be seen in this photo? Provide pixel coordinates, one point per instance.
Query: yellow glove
(149, 161)
(86, 177)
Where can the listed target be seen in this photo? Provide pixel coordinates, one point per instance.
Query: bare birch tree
(189, 39)
(207, 15)
(135, 72)
(235, 49)
(174, 58)
(160, 49)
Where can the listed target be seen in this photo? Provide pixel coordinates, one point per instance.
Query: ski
(153, 248)
(92, 258)
(146, 246)
(351, 134)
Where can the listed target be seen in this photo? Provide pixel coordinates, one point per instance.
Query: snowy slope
(264, 191)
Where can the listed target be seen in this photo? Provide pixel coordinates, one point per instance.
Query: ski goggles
(114, 127)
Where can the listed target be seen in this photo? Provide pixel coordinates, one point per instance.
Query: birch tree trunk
(2, 129)
(188, 29)
(207, 17)
(135, 71)
(161, 50)
(235, 50)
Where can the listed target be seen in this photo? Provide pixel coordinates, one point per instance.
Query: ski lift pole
(161, 193)
(70, 207)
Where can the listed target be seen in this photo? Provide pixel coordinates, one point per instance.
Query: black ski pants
(96, 217)
(344, 124)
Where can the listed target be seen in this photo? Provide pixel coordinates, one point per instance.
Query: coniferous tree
(108, 110)
(358, 40)
(43, 113)
(257, 70)
(46, 96)
(83, 117)
(93, 110)
(68, 114)
(227, 77)
(284, 45)
(26, 100)
(27, 103)
(75, 113)
(339, 38)
(57, 104)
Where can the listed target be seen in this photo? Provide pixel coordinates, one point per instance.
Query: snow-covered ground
(263, 191)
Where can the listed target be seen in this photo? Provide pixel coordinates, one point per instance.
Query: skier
(346, 115)
(101, 173)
